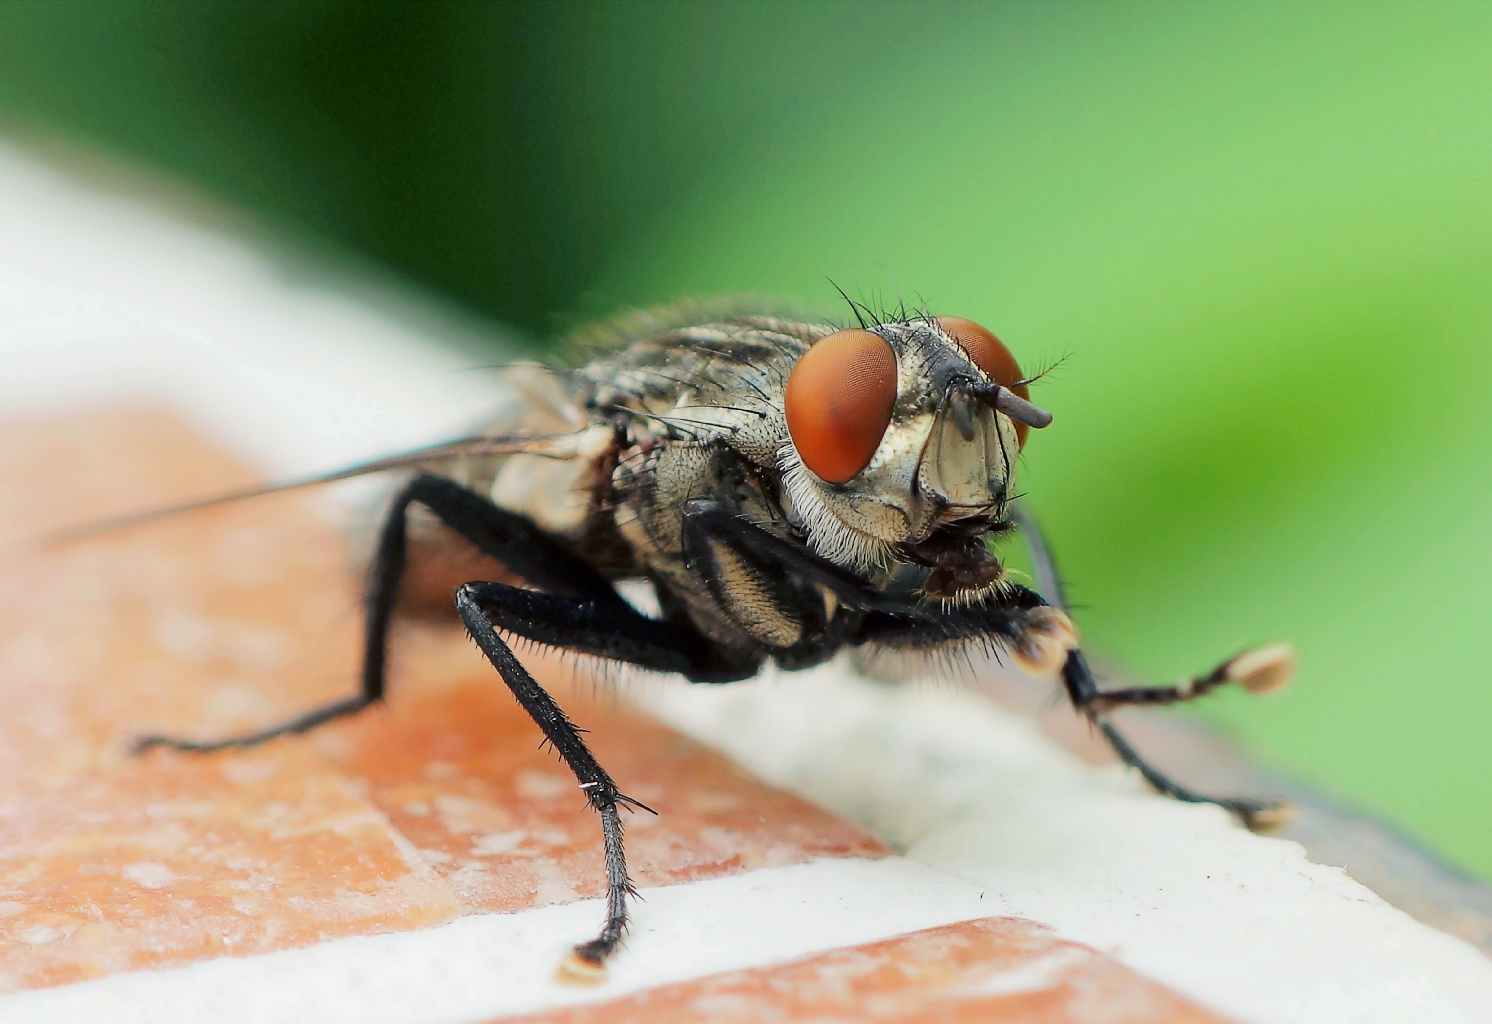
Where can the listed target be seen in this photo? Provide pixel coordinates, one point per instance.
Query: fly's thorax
(945, 453)
(706, 384)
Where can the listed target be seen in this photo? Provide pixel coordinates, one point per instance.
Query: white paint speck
(1044, 972)
(533, 785)
(149, 874)
(497, 842)
(40, 934)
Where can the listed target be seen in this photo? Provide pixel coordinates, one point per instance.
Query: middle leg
(591, 627)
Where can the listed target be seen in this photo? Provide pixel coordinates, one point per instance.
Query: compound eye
(838, 402)
(990, 355)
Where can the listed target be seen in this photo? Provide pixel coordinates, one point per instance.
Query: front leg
(1041, 639)
(1032, 628)
(1258, 815)
(1262, 670)
(1258, 671)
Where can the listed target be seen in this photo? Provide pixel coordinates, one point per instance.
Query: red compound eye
(839, 400)
(991, 356)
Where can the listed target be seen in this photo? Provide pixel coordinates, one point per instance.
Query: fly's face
(900, 433)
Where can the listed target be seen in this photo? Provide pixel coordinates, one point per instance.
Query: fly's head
(903, 440)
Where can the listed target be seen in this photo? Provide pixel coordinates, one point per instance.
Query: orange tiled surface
(438, 804)
(991, 970)
(155, 864)
(503, 823)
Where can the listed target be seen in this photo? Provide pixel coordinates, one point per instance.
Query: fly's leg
(1258, 815)
(1043, 564)
(608, 629)
(1041, 639)
(300, 723)
(1033, 627)
(1257, 671)
(509, 538)
(589, 617)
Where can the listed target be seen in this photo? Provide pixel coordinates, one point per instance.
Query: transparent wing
(479, 445)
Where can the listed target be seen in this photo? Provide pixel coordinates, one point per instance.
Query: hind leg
(509, 538)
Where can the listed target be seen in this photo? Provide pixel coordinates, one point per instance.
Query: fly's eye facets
(990, 355)
(839, 400)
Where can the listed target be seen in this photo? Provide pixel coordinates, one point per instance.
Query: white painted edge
(482, 966)
(1180, 892)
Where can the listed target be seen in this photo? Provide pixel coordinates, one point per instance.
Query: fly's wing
(547, 445)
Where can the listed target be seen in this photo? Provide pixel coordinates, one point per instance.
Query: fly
(788, 488)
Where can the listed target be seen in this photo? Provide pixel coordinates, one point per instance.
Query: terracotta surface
(165, 862)
(461, 775)
(437, 804)
(991, 970)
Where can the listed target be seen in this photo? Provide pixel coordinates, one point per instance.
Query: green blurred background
(1260, 234)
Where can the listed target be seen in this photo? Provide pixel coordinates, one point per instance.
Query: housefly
(789, 488)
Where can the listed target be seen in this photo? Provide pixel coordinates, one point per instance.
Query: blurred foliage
(1258, 236)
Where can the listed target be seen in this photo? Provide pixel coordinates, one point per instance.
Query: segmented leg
(583, 626)
(1033, 626)
(300, 723)
(509, 538)
(587, 615)
(1257, 671)
(1259, 815)
(608, 629)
